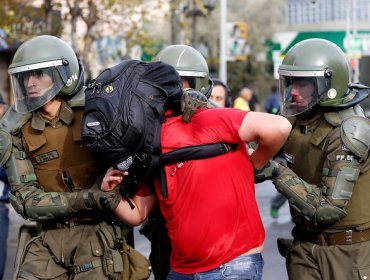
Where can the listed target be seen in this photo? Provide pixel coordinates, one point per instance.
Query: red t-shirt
(211, 211)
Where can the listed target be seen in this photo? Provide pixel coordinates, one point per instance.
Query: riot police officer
(54, 180)
(193, 70)
(326, 175)
(191, 66)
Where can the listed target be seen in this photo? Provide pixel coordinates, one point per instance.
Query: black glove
(191, 101)
(269, 171)
(95, 198)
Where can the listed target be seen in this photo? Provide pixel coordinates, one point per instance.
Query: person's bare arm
(270, 131)
(137, 215)
(143, 204)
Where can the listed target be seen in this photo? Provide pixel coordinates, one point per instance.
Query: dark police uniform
(315, 151)
(47, 168)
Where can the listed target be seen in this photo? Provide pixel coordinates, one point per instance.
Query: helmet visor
(298, 94)
(34, 88)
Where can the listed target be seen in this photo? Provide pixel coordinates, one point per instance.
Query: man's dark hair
(228, 97)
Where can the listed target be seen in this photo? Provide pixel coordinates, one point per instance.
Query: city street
(274, 263)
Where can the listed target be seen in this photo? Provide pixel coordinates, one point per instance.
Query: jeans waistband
(252, 257)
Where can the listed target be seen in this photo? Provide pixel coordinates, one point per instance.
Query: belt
(346, 237)
(69, 224)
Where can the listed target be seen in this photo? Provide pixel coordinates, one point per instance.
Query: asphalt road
(274, 268)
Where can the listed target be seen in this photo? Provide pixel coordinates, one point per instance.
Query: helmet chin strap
(209, 90)
(310, 113)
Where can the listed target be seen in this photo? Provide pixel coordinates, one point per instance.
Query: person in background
(221, 94)
(272, 104)
(247, 100)
(4, 211)
(241, 102)
(254, 103)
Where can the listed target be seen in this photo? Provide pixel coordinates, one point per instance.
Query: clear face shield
(35, 85)
(198, 80)
(300, 93)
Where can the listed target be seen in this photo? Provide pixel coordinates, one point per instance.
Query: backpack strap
(191, 153)
(196, 152)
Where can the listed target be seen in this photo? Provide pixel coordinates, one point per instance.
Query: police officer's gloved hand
(268, 172)
(281, 164)
(327, 215)
(191, 101)
(304, 197)
(95, 198)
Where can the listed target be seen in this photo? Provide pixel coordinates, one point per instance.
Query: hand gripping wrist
(303, 197)
(110, 200)
(190, 102)
(268, 172)
(94, 198)
(327, 215)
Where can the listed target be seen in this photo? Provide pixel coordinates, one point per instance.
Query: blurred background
(242, 41)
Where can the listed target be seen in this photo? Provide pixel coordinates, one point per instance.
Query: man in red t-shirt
(211, 212)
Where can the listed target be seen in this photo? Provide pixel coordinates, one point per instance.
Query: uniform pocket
(364, 273)
(96, 248)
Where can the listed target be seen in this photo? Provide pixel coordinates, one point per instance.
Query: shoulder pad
(78, 100)
(337, 117)
(355, 133)
(12, 121)
(5, 146)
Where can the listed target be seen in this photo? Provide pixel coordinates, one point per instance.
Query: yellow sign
(243, 29)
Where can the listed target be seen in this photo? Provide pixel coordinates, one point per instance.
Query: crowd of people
(312, 141)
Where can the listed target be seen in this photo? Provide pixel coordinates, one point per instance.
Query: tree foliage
(147, 23)
(84, 23)
(21, 21)
(264, 18)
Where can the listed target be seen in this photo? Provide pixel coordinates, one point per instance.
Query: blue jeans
(247, 267)
(4, 225)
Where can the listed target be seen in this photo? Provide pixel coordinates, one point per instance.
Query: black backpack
(124, 109)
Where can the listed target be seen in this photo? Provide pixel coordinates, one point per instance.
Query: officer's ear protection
(228, 102)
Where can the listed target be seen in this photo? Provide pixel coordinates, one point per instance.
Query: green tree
(20, 20)
(125, 19)
(264, 19)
